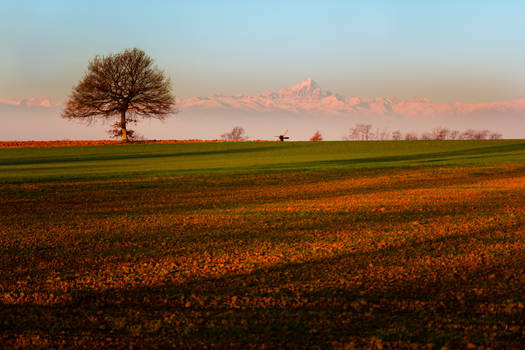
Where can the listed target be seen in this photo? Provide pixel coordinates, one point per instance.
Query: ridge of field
(151, 160)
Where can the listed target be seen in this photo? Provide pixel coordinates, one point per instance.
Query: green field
(409, 245)
(30, 164)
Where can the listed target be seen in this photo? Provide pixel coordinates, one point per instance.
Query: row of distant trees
(367, 132)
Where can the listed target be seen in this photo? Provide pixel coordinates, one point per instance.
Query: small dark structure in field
(283, 136)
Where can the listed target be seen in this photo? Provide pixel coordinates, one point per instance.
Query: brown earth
(72, 143)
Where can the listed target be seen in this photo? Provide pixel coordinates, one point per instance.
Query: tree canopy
(125, 84)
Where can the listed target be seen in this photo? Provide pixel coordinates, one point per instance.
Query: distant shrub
(317, 137)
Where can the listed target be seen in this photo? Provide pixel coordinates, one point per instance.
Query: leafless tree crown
(360, 132)
(125, 84)
(236, 134)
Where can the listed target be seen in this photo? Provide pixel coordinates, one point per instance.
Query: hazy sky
(469, 51)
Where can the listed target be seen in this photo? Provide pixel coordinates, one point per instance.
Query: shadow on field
(232, 193)
(123, 156)
(278, 227)
(219, 193)
(302, 304)
(471, 153)
(386, 292)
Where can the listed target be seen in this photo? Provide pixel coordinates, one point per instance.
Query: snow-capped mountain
(305, 96)
(309, 97)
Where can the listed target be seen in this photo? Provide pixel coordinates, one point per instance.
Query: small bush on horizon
(317, 136)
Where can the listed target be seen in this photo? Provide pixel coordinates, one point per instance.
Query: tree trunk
(123, 126)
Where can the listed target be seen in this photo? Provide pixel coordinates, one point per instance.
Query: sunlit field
(333, 244)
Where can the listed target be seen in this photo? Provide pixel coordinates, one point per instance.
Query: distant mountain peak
(308, 84)
(308, 97)
(306, 88)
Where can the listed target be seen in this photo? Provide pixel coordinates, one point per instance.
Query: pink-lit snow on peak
(309, 97)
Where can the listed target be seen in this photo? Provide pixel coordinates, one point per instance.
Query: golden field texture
(388, 258)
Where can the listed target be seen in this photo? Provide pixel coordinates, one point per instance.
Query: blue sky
(469, 51)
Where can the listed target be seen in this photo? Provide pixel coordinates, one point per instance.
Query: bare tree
(481, 134)
(384, 134)
(124, 85)
(440, 133)
(495, 136)
(453, 135)
(396, 135)
(411, 136)
(426, 136)
(353, 135)
(360, 132)
(317, 136)
(236, 134)
(374, 135)
(364, 130)
(467, 134)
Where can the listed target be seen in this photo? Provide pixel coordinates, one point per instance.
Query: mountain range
(309, 97)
